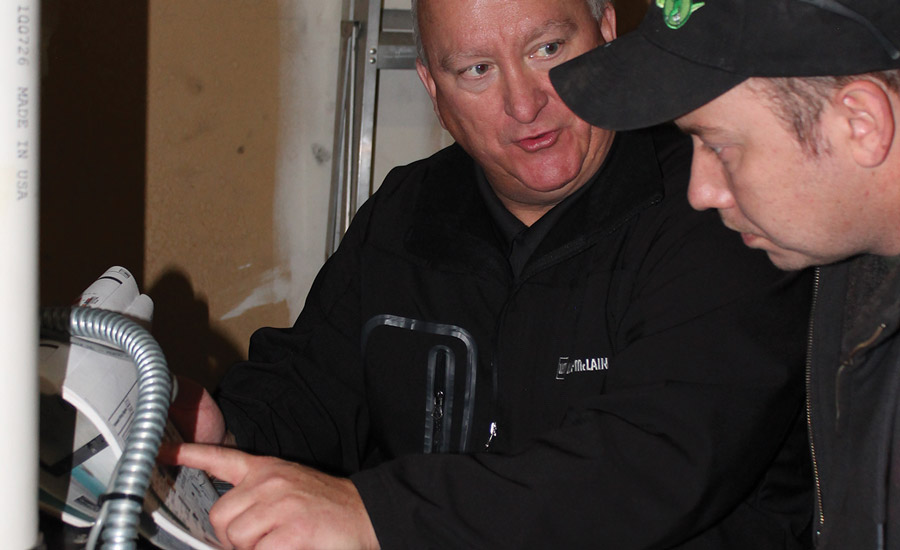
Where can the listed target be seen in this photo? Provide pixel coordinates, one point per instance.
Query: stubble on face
(782, 197)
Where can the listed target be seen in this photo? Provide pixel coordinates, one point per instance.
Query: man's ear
(431, 88)
(865, 111)
(608, 23)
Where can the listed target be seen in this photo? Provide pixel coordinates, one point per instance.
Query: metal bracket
(372, 39)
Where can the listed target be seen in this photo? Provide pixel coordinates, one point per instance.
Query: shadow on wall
(93, 112)
(214, 115)
(192, 346)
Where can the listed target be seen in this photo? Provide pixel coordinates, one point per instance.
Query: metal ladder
(372, 39)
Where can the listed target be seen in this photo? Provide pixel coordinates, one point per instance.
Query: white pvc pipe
(19, 125)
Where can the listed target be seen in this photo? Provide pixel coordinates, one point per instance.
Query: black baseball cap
(686, 53)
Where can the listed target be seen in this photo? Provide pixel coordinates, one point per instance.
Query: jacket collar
(452, 226)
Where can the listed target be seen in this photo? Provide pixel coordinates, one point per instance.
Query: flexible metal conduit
(119, 517)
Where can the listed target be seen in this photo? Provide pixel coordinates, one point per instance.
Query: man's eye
(475, 70)
(715, 149)
(548, 50)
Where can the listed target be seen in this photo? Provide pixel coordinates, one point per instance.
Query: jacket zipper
(493, 427)
(848, 363)
(437, 404)
(812, 446)
(844, 365)
(495, 395)
(437, 415)
(491, 436)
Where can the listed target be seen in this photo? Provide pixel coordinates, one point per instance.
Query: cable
(119, 517)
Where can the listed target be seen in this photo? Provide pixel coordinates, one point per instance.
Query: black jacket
(854, 397)
(638, 385)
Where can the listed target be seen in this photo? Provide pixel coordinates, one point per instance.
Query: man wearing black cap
(793, 109)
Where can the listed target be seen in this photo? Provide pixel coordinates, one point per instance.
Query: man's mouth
(539, 141)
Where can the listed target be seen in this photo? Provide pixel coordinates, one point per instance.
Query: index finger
(224, 463)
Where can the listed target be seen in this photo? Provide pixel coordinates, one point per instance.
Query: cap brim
(630, 83)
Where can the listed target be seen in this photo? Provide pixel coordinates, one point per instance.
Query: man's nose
(708, 187)
(525, 95)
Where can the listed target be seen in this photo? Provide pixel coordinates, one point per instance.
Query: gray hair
(597, 7)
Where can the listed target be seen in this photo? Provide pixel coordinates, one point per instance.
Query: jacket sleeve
(706, 389)
(299, 394)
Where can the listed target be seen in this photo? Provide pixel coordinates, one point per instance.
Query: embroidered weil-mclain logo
(570, 366)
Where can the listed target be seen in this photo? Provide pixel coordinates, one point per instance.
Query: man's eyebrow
(689, 129)
(564, 28)
(451, 60)
(698, 129)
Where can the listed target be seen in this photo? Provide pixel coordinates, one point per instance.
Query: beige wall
(240, 117)
(213, 116)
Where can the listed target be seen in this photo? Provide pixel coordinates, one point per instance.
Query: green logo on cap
(677, 12)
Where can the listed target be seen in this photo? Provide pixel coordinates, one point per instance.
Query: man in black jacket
(523, 340)
(793, 108)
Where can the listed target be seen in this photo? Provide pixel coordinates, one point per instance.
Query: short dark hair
(799, 101)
